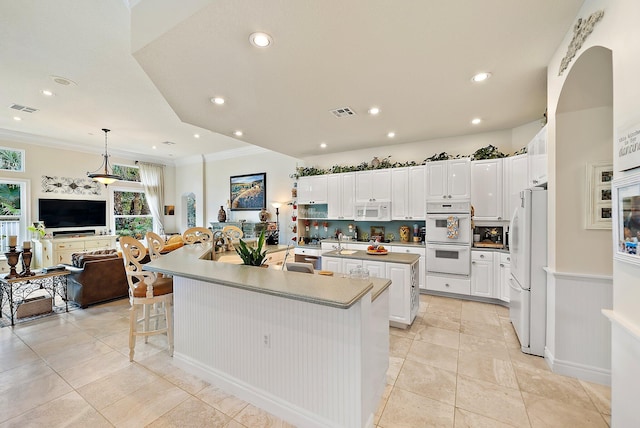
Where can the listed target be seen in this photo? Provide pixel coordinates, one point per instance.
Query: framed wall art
(626, 218)
(248, 192)
(11, 159)
(598, 211)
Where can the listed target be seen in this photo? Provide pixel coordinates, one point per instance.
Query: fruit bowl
(377, 252)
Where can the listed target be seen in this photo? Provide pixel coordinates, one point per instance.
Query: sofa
(96, 277)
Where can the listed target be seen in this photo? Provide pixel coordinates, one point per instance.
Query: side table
(19, 289)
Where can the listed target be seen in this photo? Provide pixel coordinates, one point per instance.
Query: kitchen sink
(346, 252)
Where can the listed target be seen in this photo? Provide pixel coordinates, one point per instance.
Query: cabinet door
(312, 190)
(516, 179)
(458, 179)
(364, 186)
(400, 193)
(376, 269)
(350, 264)
(399, 292)
(482, 278)
(334, 196)
(537, 150)
(381, 185)
(348, 195)
(486, 189)
(504, 272)
(332, 264)
(416, 209)
(436, 180)
(421, 262)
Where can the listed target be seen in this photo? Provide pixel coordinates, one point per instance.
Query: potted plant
(252, 256)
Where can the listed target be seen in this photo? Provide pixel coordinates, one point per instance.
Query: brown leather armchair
(97, 278)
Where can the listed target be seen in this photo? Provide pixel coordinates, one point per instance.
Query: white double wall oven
(448, 226)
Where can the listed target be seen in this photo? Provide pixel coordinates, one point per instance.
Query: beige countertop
(363, 255)
(191, 262)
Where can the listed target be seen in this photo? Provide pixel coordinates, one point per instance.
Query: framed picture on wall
(598, 210)
(11, 159)
(626, 218)
(248, 192)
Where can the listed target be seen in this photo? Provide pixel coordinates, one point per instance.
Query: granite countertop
(191, 262)
(404, 258)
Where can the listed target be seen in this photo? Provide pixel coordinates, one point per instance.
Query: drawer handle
(482, 256)
(446, 285)
(508, 259)
(501, 264)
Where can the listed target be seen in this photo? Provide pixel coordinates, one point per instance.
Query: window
(128, 173)
(131, 214)
(14, 210)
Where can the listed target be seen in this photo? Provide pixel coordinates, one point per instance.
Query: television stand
(49, 252)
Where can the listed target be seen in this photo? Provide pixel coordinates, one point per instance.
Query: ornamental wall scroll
(581, 30)
(77, 186)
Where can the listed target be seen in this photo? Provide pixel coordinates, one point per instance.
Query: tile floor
(457, 366)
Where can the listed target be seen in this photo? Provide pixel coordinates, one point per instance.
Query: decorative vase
(404, 233)
(222, 215)
(264, 215)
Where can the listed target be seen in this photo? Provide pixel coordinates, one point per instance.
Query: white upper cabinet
(516, 178)
(537, 155)
(373, 185)
(407, 193)
(486, 189)
(448, 179)
(341, 195)
(312, 190)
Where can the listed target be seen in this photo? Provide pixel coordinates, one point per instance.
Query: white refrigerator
(528, 282)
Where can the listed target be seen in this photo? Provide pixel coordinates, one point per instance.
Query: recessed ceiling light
(391, 134)
(476, 121)
(374, 111)
(481, 77)
(17, 118)
(153, 147)
(260, 40)
(217, 100)
(196, 135)
(323, 145)
(46, 93)
(237, 133)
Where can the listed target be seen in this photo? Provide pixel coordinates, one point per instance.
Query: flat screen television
(72, 213)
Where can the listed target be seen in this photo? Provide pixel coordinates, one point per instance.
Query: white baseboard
(580, 371)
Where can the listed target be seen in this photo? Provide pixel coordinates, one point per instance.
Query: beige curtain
(152, 177)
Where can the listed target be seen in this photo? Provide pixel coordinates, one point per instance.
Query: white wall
(617, 31)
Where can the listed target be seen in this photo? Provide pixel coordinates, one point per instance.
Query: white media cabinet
(50, 252)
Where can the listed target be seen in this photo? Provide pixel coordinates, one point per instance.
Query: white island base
(311, 364)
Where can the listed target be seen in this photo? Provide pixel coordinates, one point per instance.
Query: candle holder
(26, 262)
(12, 260)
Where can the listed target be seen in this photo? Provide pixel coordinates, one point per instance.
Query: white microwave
(373, 211)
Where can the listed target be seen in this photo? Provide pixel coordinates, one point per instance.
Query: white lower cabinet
(419, 250)
(482, 274)
(449, 284)
(503, 272)
(403, 292)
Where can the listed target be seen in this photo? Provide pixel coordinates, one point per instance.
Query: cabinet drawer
(98, 243)
(505, 258)
(408, 250)
(482, 255)
(78, 245)
(449, 284)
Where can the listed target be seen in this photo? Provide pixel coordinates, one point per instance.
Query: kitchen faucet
(339, 247)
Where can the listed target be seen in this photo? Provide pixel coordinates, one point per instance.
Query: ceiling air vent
(343, 112)
(23, 108)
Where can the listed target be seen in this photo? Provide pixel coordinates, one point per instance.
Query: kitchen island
(310, 349)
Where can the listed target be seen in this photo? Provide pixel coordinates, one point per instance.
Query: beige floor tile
(70, 411)
(466, 419)
(162, 364)
(383, 403)
(599, 394)
(502, 311)
(438, 336)
(408, 410)
(491, 400)
(395, 364)
(235, 424)
(434, 355)
(31, 393)
(479, 306)
(14, 353)
(607, 419)
(481, 367)
(409, 332)
(548, 385)
(520, 359)
(483, 317)
(74, 355)
(480, 329)
(398, 346)
(226, 403)
(111, 388)
(192, 413)
(145, 405)
(43, 330)
(485, 346)
(94, 369)
(547, 413)
(23, 373)
(447, 323)
(254, 417)
(452, 314)
(428, 381)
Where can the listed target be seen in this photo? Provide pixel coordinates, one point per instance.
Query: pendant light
(104, 174)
